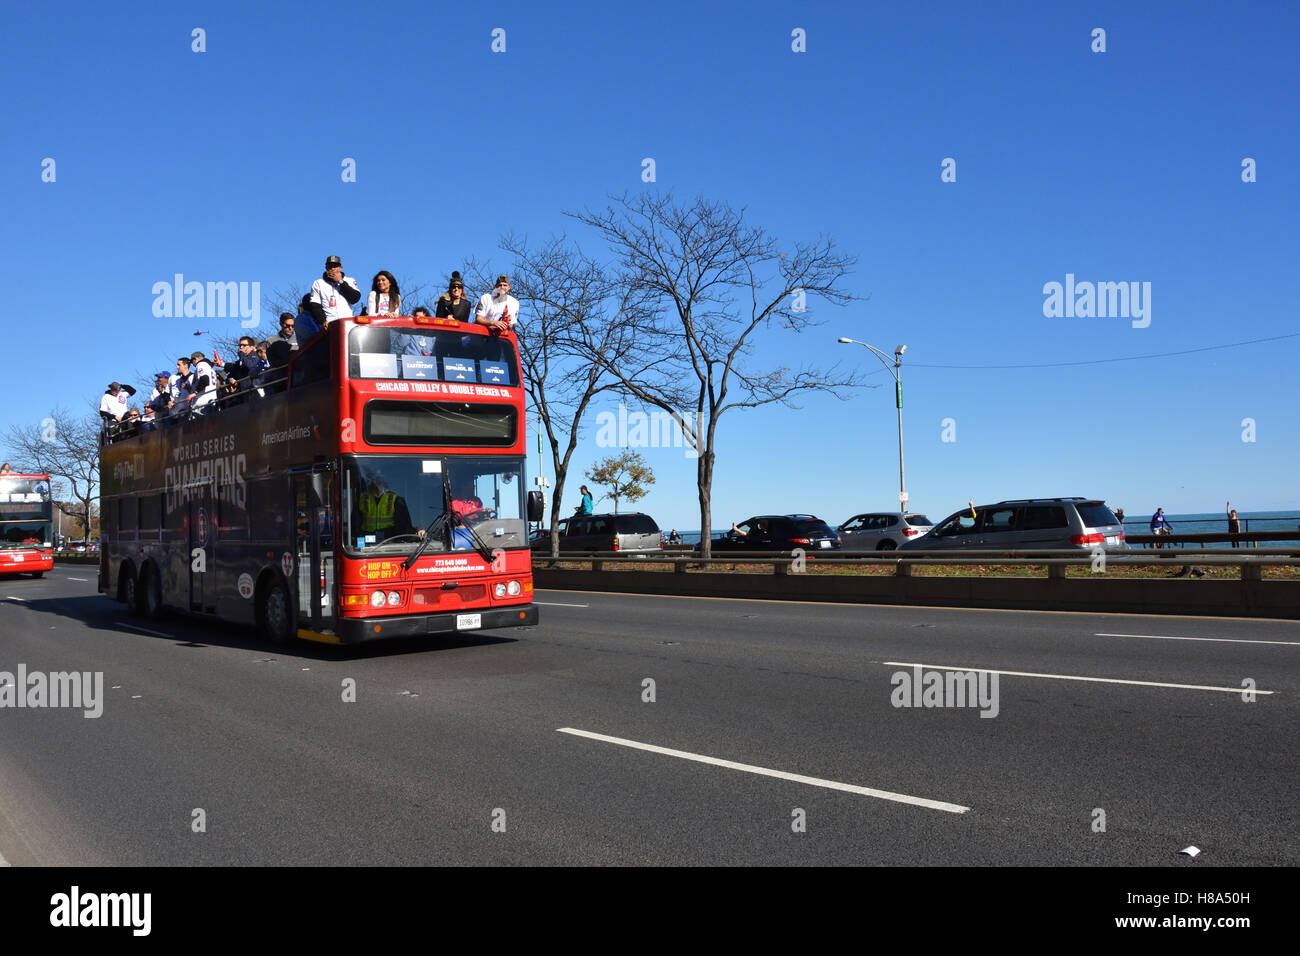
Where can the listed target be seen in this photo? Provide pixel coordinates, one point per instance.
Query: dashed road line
(144, 630)
(1096, 680)
(767, 772)
(1221, 640)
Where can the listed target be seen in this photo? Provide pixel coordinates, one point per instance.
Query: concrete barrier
(1223, 598)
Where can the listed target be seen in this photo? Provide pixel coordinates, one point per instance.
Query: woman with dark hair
(384, 298)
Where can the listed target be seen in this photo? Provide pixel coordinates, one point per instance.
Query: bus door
(203, 528)
(314, 530)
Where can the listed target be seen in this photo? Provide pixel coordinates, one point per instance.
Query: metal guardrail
(1251, 561)
(1242, 537)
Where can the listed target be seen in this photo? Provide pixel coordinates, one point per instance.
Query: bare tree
(707, 283)
(62, 446)
(564, 299)
(626, 476)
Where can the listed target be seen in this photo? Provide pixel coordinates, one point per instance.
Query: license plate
(1112, 539)
(467, 622)
(824, 544)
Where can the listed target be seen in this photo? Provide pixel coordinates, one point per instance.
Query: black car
(779, 533)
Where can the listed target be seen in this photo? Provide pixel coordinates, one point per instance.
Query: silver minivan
(1027, 524)
(631, 531)
(882, 530)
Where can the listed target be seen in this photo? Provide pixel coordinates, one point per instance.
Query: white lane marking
(556, 604)
(1220, 640)
(1097, 680)
(919, 608)
(82, 580)
(765, 772)
(144, 630)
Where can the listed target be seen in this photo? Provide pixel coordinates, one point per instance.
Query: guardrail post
(597, 565)
(1252, 572)
(779, 568)
(902, 570)
(679, 567)
(1056, 570)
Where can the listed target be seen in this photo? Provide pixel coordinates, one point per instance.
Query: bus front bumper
(355, 630)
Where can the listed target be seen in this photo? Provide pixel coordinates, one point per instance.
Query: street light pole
(896, 370)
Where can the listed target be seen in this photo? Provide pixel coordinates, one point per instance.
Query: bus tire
(126, 585)
(148, 593)
(38, 574)
(274, 613)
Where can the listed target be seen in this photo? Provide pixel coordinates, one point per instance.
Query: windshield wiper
(481, 546)
(428, 532)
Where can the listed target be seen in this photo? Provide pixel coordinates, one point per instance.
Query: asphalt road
(465, 751)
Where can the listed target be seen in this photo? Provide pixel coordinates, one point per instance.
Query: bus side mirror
(536, 505)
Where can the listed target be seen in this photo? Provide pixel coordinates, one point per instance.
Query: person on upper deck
(498, 309)
(305, 322)
(454, 305)
(384, 297)
(160, 398)
(181, 386)
(334, 294)
(288, 331)
(204, 379)
(112, 407)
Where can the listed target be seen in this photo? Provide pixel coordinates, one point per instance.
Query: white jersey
(492, 309)
(379, 303)
(204, 396)
(324, 294)
(115, 405)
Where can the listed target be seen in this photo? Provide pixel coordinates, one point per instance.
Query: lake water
(1141, 524)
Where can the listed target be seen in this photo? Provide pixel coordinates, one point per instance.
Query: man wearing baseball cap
(498, 309)
(333, 295)
(161, 396)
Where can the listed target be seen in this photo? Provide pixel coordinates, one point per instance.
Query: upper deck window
(431, 353)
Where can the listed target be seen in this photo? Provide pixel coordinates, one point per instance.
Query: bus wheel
(126, 588)
(37, 574)
(274, 614)
(148, 592)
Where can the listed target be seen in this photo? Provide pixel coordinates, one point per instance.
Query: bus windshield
(25, 513)
(388, 501)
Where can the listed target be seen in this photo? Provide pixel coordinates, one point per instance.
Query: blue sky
(1115, 166)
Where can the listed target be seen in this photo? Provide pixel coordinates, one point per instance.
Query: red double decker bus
(26, 525)
(374, 488)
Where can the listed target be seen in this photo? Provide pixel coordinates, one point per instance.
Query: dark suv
(633, 531)
(1056, 524)
(779, 533)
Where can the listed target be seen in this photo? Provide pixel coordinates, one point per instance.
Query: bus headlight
(513, 588)
(499, 589)
(377, 599)
(394, 599)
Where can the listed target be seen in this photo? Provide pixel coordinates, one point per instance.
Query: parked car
(882, 530)
(632, 531)
(779, 533)
(544, 533)
(1027, 524)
